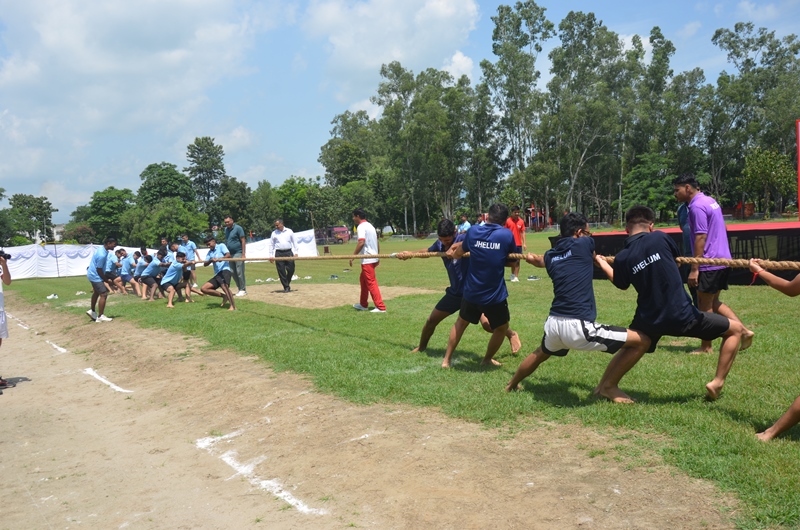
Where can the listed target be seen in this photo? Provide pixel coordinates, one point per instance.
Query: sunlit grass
(364, 358)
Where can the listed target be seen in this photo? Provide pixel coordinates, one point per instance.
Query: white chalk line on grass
(248, 471)
(100, 378)
(20, 323)
(58, 348)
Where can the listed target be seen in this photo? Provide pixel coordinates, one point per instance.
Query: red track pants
(369, 286)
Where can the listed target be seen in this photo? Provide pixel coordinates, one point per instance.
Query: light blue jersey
(219, 252)
(98, 262)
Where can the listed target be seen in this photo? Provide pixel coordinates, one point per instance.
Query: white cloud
(75, 75)
(690, 29)
(757, 13)
(372, 110)
(236, 140)
(458, 65)
(361, 36)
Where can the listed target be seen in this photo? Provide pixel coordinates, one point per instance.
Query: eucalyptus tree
(517, 42)
(394, 96)
(206, 170)
(485, 146)
(582, 120)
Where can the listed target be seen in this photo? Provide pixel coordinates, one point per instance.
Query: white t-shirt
(366, 232)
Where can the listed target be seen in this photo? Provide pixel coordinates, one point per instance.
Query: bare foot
(747, 340)
(231, 308)
(515, 388)
(763, 436)
(492, 362)
(700, 351)
(170, 306)
(614, 395)
(445, 364)
(516, 344)
(416, 350)
(713, 390)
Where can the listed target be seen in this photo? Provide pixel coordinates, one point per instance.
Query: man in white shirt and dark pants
(282, 245)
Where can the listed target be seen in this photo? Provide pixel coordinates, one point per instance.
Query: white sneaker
(359, 307)
(376, 310)
(514, 278)
(194, 286)
(92, 314)
(241, 293)
(103, 318)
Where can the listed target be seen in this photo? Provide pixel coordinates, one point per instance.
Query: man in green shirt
(235, 241)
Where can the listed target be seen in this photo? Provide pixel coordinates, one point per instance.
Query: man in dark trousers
(283, 245)
(236, 243)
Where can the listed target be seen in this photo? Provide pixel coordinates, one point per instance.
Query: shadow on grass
(758, 425)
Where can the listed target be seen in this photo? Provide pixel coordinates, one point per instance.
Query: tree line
(611, 128)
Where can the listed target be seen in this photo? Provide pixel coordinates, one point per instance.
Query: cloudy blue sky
(93, 92)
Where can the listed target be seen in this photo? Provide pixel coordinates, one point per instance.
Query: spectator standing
(517, 226)
(236, 244)
(464, 225)
(367, 244)
(283, 245)
(709, 239)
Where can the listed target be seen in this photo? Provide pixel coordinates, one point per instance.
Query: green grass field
(364, 358)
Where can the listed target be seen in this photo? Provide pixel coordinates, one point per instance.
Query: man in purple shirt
(709, 239)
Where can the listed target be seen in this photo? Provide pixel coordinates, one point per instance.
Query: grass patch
(364, 358)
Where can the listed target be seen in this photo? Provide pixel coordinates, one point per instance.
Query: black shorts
(165, 286)
(497, 314)
(221, 277)
(712, 282)
(449, 303)
(707, 326)
(99, 287)
(110, 276)
(148, 280)
(137, 279)
(187, 274)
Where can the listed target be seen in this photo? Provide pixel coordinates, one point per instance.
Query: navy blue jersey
(570, 264)
(456, 268)
(648, 263)
(489, 246)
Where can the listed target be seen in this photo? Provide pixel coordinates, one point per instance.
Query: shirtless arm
(789, 288)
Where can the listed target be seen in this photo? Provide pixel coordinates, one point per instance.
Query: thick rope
(733, 263)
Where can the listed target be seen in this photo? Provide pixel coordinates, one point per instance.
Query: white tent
(54, 260)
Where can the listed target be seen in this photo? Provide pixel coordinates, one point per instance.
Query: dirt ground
(318, 296)
(192, 438)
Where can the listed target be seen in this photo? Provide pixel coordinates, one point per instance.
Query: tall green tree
(106, 207)
(206, 169)
(293, 202)
(768, 173)
(171, 217)
(163, 180)
(31, 216)
(517, 39)
(263, 209)
(234, 200)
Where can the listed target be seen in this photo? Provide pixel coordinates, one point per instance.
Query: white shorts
(562, 334)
